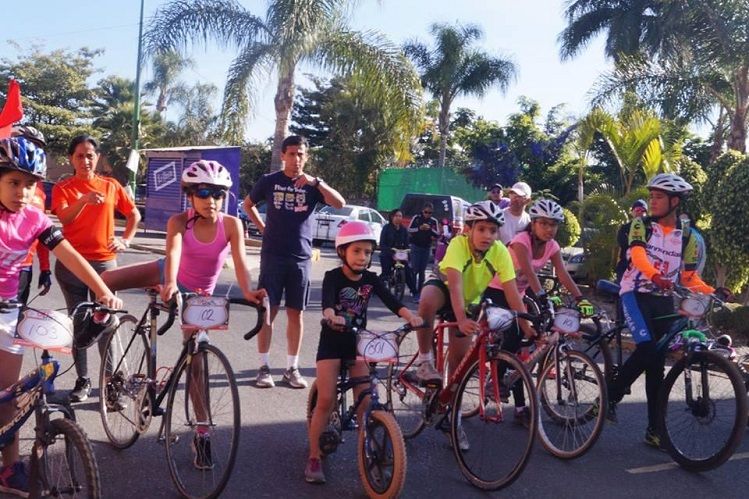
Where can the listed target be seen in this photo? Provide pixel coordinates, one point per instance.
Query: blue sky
(524, 30)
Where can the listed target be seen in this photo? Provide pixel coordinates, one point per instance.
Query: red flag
(12, 111)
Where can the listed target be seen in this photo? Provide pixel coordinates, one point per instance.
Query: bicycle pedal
(433, 385)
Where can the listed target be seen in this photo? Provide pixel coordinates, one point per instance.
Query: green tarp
(394, 183)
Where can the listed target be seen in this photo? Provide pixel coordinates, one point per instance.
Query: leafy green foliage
(733, 320)
(569, 232)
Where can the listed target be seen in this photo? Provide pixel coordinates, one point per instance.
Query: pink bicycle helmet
(354, 231)
(206, 172)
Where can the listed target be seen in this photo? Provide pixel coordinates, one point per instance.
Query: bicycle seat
(607, 287)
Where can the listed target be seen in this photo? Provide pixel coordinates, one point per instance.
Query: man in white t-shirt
(516, 218)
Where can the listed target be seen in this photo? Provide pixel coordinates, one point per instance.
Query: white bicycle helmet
(546, 208)
(485, 210)
(206, 172)
(670, 183)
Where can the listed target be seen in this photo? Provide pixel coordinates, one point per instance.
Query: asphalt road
(273, 446)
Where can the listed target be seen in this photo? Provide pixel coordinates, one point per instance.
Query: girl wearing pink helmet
(346, 291)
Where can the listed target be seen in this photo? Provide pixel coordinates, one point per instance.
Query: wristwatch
(318, 181)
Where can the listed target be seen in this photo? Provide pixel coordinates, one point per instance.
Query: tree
(454, 67)
(311, 32)
(167, 67)
(56, 97)
(351, 137)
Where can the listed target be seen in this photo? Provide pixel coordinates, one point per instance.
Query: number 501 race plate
(206, 312)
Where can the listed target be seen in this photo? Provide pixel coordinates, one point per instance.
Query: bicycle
(702, 391)
(570, 386)
(200, 389)
(471, 400)
(396, 278)
(62, 459)
(381, 450)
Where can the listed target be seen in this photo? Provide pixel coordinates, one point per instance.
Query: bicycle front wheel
(404, 395)
(399, 287)
(571, 397)
(63, 463)
(382, 456)
(123, 383)
(492, 448)
(702, 411)
(202, 424)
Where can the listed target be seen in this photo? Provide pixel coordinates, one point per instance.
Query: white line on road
(669, 466)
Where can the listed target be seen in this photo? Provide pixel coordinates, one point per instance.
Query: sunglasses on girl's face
(207, 192)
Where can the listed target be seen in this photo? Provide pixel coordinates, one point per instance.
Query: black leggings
(511, 343)
(646, 357)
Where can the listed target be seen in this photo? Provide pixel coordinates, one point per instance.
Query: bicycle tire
(726, 377)
(384, 448)
(404, 395)
(399, 287)
(600, 352)
(571, 421)
(123, 395)
(180, 425)
(472, 462)
(59, 472)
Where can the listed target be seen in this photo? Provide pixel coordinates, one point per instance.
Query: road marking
(669, 466)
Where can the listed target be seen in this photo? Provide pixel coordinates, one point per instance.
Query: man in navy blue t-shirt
(290, 196)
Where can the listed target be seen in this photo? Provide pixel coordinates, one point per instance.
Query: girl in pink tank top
(197, 242)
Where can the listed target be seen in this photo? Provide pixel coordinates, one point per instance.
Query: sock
(265, 359)
(425, 357)
(292, 361)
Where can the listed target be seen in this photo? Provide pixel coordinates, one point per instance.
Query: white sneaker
(294, 378)
(264, 378)
(427, 374)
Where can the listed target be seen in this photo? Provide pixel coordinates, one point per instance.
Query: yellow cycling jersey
(477, 274)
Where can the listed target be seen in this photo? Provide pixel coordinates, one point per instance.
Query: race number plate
(695, 306)
(567, 321)
(48, 329)
(401, 256)
(206, 312)
(377, 347)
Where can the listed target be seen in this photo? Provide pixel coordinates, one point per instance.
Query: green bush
(602, 217)
(733, 320)
(569, 231)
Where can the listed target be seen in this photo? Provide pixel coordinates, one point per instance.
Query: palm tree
(167, 67)
(636, 142)
(630, 26)
(292, 32)
(453, 67)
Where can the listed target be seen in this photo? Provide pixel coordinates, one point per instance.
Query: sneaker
(264, 379)
(201, 447)
(81, 391)
(14, 480)
(427, 374)
(611, 413)
(463, 443)
(652, 438)
(313, 473)
(523, 416)
(294, 378)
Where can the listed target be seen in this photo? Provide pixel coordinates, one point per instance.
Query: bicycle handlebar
(263, 314)
(405, 328)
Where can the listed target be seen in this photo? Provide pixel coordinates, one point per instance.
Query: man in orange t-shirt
(85, 204)
(27, 270)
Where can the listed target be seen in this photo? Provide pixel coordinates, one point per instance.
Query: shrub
(569, 231)
(733, 320)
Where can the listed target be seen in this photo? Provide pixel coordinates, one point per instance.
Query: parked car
(249, 226)
(448, 210)
(327, 221)
(574, 261)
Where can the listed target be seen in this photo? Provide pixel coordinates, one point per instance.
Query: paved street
(273, 446)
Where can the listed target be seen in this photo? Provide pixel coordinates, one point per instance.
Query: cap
(521, 189)
(497, 186)
(640, 203)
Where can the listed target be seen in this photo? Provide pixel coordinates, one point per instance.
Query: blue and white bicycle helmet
(485, 210)
(19, 153)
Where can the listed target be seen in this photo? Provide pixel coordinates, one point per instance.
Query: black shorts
(335, 345)
(446, 312)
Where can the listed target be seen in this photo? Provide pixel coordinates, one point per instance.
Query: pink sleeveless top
(524, 238)
(200, 263)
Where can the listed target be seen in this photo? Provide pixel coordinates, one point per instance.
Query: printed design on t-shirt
(352, 304)
(289, 198)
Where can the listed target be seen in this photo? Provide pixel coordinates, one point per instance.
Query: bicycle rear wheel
(202, 424)
(382, 456)
(702, 411)
(493, 450)
(571, 396)
(123, 384)
(63, 464)
(404, 395)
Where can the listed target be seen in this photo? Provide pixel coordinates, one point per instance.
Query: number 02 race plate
(206, 312)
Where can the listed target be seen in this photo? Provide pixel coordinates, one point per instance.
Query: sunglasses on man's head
(207, 192)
